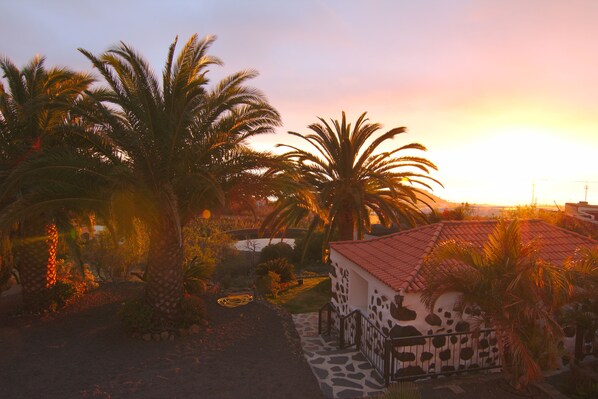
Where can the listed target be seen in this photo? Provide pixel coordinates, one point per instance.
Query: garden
(116, 195)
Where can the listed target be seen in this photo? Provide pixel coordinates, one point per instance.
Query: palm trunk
(164, 288)
(6, 258)
(35, 258)
(346, 225)
(579, 338)
(504, 352)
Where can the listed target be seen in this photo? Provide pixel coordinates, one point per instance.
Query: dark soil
(579, 382)
(482, 386)
(82, 352)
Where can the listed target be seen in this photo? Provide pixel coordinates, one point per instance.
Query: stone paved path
(342, 373)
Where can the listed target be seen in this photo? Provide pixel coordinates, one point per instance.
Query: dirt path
(82, 352)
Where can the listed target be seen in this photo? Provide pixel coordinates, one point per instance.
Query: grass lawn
(309, 297)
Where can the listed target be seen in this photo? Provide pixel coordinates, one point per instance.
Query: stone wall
(339, 280)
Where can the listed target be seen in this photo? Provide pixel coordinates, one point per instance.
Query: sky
(503, 93)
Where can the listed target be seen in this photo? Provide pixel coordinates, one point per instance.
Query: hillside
(438, 203)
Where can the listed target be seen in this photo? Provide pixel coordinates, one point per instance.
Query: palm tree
(176, 145)
(516, 291)
(33, 110)
(582, 312)
(345, 176)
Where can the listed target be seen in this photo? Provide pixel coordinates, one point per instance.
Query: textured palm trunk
(579, 338)
(35, 258)
(504, 352)
(164, 288)
(6, 258)
(346, 225)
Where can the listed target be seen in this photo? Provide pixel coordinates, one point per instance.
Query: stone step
(335, 352)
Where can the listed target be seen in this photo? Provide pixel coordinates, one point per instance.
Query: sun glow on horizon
(515, 165)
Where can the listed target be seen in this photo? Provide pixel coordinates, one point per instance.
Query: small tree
(516, 291)
(251, 246)
(582, 312)
(308, 249)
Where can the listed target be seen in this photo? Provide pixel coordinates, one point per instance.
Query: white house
(381, 277)
(582, 210)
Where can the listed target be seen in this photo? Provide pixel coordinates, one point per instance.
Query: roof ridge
(470, 221)
(427, 250)
(564, 230)
(398, 233)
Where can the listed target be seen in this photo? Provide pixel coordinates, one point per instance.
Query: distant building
(582, 210)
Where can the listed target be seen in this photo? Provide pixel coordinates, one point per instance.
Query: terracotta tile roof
(396, 259)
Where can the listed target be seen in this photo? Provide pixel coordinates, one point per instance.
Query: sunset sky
(503, 93)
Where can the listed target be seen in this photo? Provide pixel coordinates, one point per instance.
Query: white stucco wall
(400, 315)
(403, 314)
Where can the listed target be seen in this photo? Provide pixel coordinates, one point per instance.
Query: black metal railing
(585, 344)
(371, 342)
(409, 358)
(349, 331)
(326, 317)
(357, 330)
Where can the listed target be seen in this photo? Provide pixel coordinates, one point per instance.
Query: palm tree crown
(33, 111)
(176, 146)
(345, 176)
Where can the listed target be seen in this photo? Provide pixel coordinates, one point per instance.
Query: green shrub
(194, 278)
(136, 315)
(67, 271)
(62, 292)
(276, 251)
(193, 310)
(205, 241)
(268, 284)
(280, 266)
(308, 250)
(216, 257)
(402, 390)
(114, 261)
(235, 272)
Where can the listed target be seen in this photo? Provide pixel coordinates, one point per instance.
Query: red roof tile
(396, 259)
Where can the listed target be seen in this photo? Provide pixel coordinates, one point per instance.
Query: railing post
(387, 348)
(329, 319)
(341, 337)
(358, 330)
(320, 322)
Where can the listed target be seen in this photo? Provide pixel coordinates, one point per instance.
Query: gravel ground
(82, 352)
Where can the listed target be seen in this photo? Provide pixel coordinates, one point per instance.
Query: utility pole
(585, 197)
(586, 187)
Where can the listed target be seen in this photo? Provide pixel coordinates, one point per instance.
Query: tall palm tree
(176, 143)
(33, 109)
(345, 176)
(516, 291)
